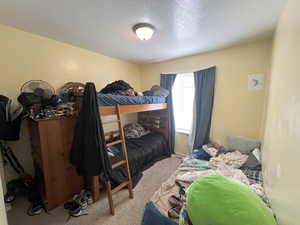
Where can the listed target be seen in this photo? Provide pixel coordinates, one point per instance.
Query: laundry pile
(120, 87)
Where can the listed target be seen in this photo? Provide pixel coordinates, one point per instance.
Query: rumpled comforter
(192, 169)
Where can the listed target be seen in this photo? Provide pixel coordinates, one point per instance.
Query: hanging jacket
(88, 153)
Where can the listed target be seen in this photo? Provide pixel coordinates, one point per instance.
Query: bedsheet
(110, 100)
(142, 153)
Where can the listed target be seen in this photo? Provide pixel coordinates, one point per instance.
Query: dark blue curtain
(204, 100)
(167, 81)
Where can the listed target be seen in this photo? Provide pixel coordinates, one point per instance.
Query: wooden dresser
(51, 142)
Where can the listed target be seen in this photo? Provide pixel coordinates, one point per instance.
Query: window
(183, 100)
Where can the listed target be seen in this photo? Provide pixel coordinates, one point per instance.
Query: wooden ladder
(123, 162)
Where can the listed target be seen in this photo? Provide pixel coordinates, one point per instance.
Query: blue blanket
(109, 100)
(153, 217)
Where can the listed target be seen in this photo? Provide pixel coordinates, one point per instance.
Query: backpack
(10, 123)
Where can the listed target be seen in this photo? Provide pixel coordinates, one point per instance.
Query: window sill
(182, 131)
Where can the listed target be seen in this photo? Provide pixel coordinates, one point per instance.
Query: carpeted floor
(128, 211)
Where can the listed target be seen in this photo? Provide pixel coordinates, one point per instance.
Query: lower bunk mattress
(142, 153)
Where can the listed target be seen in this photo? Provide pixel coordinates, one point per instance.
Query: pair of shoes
(78, 203)
(81, 201)
(84, 199)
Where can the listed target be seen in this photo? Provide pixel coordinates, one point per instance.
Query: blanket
(192, 169)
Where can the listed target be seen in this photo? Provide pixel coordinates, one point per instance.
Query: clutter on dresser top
(41, 102)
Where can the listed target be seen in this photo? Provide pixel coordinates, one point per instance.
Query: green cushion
(217, 200)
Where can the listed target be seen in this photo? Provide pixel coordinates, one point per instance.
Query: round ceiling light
(144, 31)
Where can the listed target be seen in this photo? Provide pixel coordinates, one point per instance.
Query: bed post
(94, 186)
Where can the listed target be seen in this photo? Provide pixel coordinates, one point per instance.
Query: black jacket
(88, 153)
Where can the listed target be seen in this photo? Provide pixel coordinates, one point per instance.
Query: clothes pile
(119, 87)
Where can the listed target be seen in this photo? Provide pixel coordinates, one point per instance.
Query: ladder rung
(111, 121)
(121, 186)
(114, 143)
(111, 133)
(120, 163)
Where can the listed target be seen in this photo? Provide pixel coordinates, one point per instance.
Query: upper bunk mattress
(110, 100)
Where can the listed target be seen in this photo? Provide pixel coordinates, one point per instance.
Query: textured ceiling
(183, 27)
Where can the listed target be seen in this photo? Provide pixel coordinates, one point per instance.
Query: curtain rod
(191, 71)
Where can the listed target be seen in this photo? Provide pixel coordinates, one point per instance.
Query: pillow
(242, 144)
(159, 91)
(251, 163)
(224, 201)
(135, 130)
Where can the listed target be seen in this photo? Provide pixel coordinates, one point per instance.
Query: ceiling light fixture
(144, 31)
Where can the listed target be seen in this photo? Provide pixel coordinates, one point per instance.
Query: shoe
(35, 209)
(74, 208)
(81, 201)
(87, 195)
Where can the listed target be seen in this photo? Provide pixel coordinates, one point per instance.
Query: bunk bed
(153, 114)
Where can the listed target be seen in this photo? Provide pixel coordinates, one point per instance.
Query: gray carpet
(128, 211)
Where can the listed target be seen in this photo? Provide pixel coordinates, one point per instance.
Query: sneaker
(74, 208)
(81, 201)
(87, 195)
(35, 209)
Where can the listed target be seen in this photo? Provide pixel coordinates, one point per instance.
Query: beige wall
(281, 151)
(25, 56)
(236, 110)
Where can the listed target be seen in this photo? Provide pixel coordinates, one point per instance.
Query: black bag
(9, 129)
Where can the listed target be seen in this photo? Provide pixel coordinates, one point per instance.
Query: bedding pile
(119, 87)
(211, 160)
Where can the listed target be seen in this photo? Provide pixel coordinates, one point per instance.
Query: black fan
(36, 92)
(39, 88)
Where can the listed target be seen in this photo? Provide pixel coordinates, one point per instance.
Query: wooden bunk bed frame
(146, 112)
